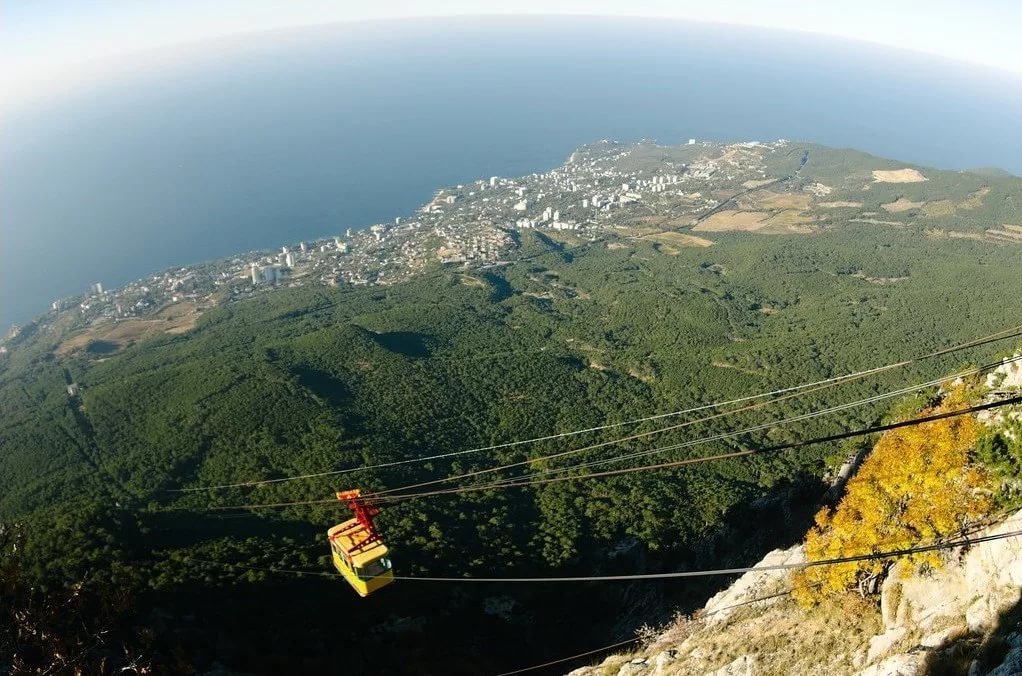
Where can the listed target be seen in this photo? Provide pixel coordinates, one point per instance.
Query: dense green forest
(309, 380)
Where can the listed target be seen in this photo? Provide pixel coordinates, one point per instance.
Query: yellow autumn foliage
(916, 486)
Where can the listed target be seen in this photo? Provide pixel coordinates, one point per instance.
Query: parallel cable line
(592, 447)
(801, 389)
(763, 426)
(612, 646)
(898, 553)
(665, 465)
(722, 456)
(712, 572)
(791, 391)
(605, 648)
(873, 556)
(380, 494)
(698, 617)
(551, 663)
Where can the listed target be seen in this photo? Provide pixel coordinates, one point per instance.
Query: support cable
(665, 465)
(795, 390)
(729, 435)
(714, 572)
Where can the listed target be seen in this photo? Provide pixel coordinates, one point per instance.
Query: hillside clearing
(975, 199)
(898, 176)
(174, 319)
(939, 208)
(678, 239)
(901, 204)
(839, 204)
(1008, 234)
(790, 220)
(775, 201)
(742, 221)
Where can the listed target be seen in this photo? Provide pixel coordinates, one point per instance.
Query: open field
(1008, 233)
(947, 207)
(877, 280)
(839, 204)
(116, 335)
(975, 199)
(789, 220)
(901, 204)
(775, 200)
(724, 221)
(638, 232)
(678, 239)
(935, 233)
(563, 237)
(469, 280)
(898, 176)
(876, 221)
(939, 208)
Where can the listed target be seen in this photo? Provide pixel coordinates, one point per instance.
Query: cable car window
(375, 568)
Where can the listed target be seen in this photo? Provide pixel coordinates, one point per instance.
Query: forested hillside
(574, 333)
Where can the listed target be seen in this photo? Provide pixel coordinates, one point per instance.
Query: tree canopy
(917, 485)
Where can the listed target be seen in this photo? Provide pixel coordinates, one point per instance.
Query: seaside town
(602, 191)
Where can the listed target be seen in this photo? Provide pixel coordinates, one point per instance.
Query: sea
(265, 139)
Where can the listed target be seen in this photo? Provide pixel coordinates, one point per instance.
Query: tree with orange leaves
(916, 486)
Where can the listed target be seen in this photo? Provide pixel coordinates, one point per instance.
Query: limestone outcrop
(753, 628)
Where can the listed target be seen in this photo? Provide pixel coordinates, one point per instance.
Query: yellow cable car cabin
(358, 551)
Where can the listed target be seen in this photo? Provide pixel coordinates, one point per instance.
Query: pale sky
(44, 42)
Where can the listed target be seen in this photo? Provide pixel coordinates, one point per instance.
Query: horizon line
(99, 69)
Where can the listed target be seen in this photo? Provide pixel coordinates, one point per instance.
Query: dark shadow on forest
(551, 245)
(301, 624)
(185, 528)
(311, 624)
(778, 519)
(500, 288)
(406, 343)
(323, 385)
(99, 348)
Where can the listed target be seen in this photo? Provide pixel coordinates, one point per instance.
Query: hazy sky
(45, 41)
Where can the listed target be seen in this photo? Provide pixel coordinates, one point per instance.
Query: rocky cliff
(957, 619)
(964, 616)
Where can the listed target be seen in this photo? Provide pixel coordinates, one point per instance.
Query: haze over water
(273, 138)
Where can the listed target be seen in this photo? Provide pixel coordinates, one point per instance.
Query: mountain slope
(624, 316)
(953, 611)
(943, 621)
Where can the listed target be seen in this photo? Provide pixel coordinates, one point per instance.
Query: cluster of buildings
(601, 190)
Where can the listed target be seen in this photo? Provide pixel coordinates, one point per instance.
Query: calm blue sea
(277, 137)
